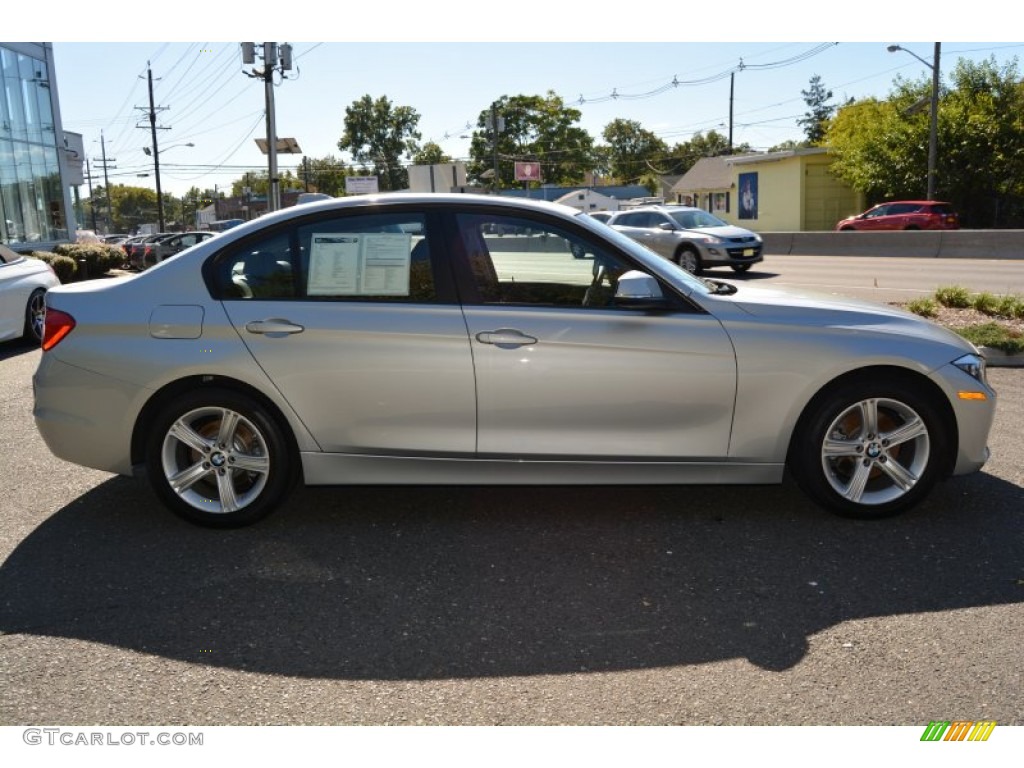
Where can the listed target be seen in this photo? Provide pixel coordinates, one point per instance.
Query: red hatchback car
(903, 214)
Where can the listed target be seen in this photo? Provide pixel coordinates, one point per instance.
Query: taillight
(56, 326)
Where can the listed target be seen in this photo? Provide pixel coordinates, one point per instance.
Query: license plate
(748, 252)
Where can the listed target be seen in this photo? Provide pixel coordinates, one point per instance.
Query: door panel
(562, 371)
(604, 383)
(344, 313)
(369, 378)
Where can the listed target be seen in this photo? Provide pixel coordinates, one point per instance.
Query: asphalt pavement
(507, 605)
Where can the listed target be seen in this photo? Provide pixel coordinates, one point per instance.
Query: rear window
(942, 208)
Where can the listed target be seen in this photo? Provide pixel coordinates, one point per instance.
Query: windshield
(696, 219)
(651, 261)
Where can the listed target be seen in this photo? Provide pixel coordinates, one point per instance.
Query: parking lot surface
(658, 605)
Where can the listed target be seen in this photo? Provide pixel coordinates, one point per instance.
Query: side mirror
(666, 226)
(638, 290)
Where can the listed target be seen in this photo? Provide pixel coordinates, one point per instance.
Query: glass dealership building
(35, 176)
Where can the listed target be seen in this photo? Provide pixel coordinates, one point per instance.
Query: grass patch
(995, 336)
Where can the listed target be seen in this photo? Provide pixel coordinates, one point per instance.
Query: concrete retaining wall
(958, 244)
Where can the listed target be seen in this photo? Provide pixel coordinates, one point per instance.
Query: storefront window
(31, 195)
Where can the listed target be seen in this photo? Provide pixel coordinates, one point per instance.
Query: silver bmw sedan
(459, 339)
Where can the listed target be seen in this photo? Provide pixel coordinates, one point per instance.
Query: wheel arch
(174, 389)
(872, 374)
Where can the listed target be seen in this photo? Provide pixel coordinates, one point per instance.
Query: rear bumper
(84, 417)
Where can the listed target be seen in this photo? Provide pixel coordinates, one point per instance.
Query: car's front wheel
(218, 458)
(689, 259)
(869, 449)
(740, 267)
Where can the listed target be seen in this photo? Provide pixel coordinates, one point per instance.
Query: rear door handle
(273, 326)
(505, 337)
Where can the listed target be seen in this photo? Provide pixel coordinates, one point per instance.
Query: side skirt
(348, 469)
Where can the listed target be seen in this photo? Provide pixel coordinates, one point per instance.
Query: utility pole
(153, 109)
(92, 203)
(106, 182)
(933, 124)
(156, 153)
(732, 86)
(496, 128)
(274, 57)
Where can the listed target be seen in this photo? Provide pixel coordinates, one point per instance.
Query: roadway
(882, 279)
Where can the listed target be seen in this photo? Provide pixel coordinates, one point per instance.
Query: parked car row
(144, 251)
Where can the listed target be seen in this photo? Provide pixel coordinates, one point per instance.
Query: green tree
(881, 146)
(633, 151)
(259, 183)
(132, 207)
(815, 120)
(682, 157)
(431, 154)
(538, 129)
(324, 174)
(379, 133)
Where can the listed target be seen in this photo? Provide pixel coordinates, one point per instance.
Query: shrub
(63, 266)
(953, 296)
(923, 307)
(1010, 307)
(985, 303)
(99, 258)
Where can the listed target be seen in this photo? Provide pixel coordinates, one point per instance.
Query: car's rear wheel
(740, 267)
(218, 458)
(869, 449)
(689, 259)
(35, 315)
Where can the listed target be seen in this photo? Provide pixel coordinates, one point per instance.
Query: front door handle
(505, 337)
(273, 326)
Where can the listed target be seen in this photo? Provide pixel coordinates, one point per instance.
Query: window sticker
(365, 264)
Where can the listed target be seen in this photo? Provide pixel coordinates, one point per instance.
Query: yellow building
(790, 191)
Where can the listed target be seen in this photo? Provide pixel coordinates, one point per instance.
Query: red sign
(527, 171)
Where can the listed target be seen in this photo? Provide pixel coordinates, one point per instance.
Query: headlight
(972, 365)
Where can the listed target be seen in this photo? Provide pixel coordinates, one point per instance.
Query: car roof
(914, 202)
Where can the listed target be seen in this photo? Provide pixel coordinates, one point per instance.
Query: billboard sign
(361, 185)
(527, 171)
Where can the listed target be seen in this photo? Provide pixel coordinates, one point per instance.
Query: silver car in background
(690, 237)
(400, 340)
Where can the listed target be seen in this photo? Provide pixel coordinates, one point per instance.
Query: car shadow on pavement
(426, 583)
(15, 347)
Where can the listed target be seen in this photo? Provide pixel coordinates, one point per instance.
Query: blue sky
(212, 104)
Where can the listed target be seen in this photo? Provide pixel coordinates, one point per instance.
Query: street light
(933, 128)
(155, 153)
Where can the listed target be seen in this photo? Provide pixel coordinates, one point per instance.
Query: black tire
(869, 449)
(35, 315)
(689, 259)
(218, 458)
(740, 267)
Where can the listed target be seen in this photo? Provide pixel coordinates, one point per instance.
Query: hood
(811, 309)
(729, 232)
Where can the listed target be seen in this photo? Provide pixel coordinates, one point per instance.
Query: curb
(997, 358)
